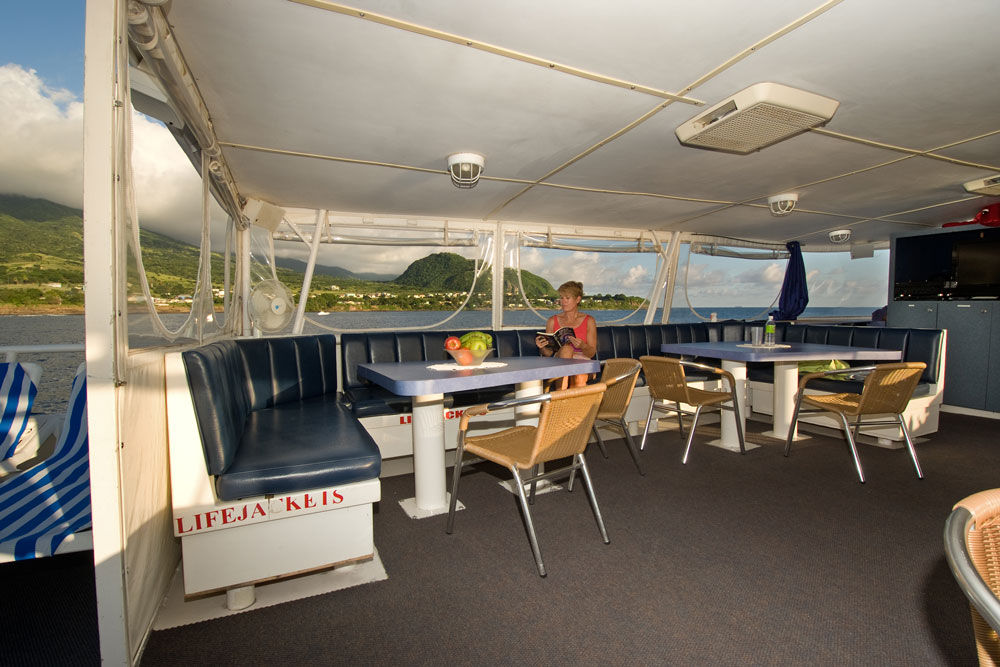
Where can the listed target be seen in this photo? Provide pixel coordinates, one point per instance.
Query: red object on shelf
(989, 216)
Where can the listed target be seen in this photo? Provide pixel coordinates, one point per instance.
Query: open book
(557, 338)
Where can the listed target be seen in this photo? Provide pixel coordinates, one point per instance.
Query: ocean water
(59, 367)
(517, 318)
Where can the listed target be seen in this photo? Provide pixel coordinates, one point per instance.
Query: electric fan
(270, 306)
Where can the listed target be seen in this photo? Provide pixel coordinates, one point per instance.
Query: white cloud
(41, 155)
(41, 139)
(637, 276)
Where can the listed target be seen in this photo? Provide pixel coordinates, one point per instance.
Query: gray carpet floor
(755, 559)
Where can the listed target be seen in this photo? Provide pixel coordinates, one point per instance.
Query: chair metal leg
(528, 523)
(791, 426)
(600, 440)
(534, 484)
(854, 448)
(649, 417)
(456, 475)
(694, 425)
(680, 418)
(589, 487)
(909, 445)
(631, 445)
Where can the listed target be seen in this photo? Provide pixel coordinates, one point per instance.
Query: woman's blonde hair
(571, 287)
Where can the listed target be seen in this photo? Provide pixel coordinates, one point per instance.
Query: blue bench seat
(271, 420)
(628, 341)
(307, 444)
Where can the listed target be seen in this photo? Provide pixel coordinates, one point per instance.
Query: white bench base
(251, 553)
(178, 609)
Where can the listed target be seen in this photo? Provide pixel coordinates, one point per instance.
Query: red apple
(465, 357)
(452, 343)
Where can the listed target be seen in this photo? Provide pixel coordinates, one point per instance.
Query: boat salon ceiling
(574, 104)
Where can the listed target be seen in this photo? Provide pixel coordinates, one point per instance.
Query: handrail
(11, 351)
(965, 572)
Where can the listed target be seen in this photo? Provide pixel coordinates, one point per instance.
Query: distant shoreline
(40, 310)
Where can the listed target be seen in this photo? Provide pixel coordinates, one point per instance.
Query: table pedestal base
(786, 386)
(544, 486)
(409, 506)
(731, 446)
(782, 436)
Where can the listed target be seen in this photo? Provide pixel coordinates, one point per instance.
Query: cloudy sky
(41, 146)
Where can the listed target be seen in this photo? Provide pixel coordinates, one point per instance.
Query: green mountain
(41, 265)
(38, 210)
(449, 272)
(332, 271)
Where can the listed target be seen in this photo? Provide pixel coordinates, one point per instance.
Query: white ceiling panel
(909, 76)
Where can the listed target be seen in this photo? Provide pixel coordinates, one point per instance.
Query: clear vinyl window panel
(617, 278)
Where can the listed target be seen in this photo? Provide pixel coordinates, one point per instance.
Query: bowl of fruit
(469, 349)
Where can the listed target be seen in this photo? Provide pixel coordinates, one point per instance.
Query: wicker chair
(887, 390)
(972, 548)
(619, 375)
(668, 389)
(563, 429)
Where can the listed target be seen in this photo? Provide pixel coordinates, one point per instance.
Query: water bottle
(769, 331)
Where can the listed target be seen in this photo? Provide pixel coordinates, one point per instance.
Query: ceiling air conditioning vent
(985, 186)
(758, 116)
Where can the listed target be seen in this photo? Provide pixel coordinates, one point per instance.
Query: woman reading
(581, 341)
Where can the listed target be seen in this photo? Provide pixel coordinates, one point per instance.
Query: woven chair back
(618, 394)
(889, 388)
(665, 378)
(565, 422)
(984, 550)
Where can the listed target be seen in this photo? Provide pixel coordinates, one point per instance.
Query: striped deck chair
(48, 503)
(17, 394)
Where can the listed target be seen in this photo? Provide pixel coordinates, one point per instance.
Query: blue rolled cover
(794, 290)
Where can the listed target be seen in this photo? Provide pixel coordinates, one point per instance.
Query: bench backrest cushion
(229, 379)
(925, 345)
(219, 382)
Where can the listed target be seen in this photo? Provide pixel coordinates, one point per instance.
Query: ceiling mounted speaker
(263, 214)
(862, 250)
(758, 116)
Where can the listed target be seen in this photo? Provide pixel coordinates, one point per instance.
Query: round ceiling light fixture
(782, 204)
(840, 236)
(465, 169)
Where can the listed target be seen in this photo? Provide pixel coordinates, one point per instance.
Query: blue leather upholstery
(632, 341)
(367, 399)
(915, 344)
(300, 445)
(270, 419)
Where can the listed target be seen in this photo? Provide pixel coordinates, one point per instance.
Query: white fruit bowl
(465, 357)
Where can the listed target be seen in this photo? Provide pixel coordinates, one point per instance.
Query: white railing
(11, 351)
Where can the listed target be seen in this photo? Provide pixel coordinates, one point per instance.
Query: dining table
(735, 355)
(427, 383)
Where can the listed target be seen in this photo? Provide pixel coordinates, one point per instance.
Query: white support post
(105, 106)
(498, 266)
(666, 278)
(318, 230)
(243, 281)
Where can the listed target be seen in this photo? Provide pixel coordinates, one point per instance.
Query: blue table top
(732, 351)
(415, 378)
